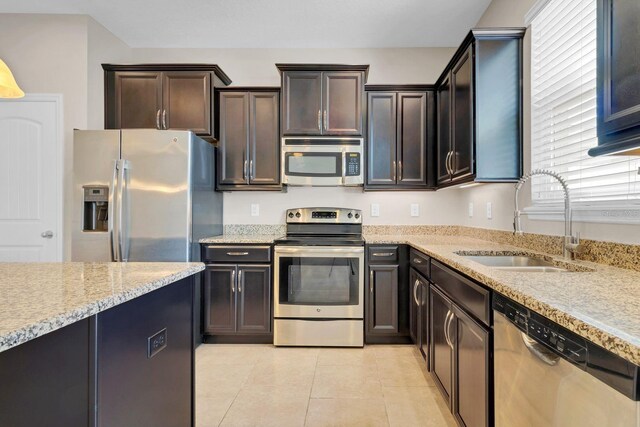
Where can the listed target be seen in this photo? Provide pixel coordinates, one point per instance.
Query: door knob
(47, 234)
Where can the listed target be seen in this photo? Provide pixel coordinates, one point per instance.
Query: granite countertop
(242, 238)
(598, 302)
(38, 298)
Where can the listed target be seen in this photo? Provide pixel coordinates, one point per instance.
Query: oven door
(319, 282)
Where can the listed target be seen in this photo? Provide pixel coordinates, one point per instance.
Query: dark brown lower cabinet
(460, 360)
(383, 299)
(237, 301)
(419, 312)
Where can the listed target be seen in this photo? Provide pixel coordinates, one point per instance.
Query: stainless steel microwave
(322, 161)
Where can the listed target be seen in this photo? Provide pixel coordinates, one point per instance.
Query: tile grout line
(236, 396)
(315, 369)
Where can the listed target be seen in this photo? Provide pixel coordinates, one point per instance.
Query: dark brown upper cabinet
(248, 139)
(618, 78)
(162, 96)
(479, 102)
(322, 99)
(401, 131)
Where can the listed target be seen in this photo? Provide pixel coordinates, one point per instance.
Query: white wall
(511, 13)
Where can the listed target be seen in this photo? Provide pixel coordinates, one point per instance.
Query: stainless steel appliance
(546, 375)
(142, 195)
(322, 161)
(319, 279)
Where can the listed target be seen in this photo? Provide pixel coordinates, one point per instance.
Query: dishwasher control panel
(555, 340)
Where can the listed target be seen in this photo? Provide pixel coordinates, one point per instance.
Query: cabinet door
(462, 120)
(187, 101)
(383, 299)
(441, 347)
(381, 162)
(412, 139)
(423, 319)
(472, 352)
(138, 100)
(220, 299)
(342, 103)
(302, 103)
(264, 159)
(414, 307)
(444, 131)
(254, 299)
(233, 146)
(618, 65)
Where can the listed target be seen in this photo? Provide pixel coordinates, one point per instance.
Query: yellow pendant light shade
(8, 86)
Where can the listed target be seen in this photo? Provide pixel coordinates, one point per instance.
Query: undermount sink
(519, 263)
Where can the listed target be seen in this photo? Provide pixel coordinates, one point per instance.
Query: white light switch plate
(375, 209)
(489, 213)
(255, 209)
(470, 209)
(415, 209)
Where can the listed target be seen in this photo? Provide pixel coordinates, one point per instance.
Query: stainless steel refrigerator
(143, 195)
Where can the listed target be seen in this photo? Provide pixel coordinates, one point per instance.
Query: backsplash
(255, 229)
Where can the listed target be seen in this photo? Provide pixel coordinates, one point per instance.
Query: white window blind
(563, 112)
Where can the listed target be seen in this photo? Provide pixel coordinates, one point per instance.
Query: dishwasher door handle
(539, 351)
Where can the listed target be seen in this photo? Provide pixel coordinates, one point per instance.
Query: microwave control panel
(353, 164)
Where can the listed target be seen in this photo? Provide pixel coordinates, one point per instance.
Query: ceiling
(275, 23)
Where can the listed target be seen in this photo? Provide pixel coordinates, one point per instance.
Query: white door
(31, 178)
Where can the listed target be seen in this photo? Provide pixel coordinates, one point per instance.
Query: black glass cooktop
(321, 240)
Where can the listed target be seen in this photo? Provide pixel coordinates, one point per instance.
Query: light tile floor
(261, 385)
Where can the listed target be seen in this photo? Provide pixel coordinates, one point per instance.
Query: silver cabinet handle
(237, 253)
(164, 119)
(46, 234)
(233, 281)
(399, 170)
(324, 119)
(382, 254)
(371, 281)
(394, 170)
(452, 161)
(415, 291)
(446, 328)
(239, 281)
(417, 261)
(446, 163)
(252, 172)
(244, 171)
(319, 120)
(451, 318)
(158, 119)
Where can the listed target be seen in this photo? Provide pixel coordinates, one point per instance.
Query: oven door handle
(290, 250)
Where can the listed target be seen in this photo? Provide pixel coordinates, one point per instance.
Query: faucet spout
(570, 244)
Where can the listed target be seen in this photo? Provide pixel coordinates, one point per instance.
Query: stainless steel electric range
(319, 279)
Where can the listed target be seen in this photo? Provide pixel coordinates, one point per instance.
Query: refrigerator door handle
(123, 225)
(112, 209)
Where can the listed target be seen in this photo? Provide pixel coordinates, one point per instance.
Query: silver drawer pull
(237, 253)
(417, 260)
(382, 254)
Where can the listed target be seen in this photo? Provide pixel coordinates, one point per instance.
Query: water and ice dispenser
(96, 208)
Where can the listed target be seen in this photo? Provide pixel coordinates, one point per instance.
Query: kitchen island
(96, 343)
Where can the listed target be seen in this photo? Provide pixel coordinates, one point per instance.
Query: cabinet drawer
(472, 297)
(382, 254)
(237, 254)
(420, 262)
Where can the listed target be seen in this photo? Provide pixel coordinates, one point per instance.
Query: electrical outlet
(255, 209)
(470, 209)
(415, 209)
(156, 343)
(489, 212)
(375, 209)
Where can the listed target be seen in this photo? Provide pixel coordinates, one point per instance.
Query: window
(563, 113)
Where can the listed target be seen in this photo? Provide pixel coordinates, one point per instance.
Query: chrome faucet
(570, 243)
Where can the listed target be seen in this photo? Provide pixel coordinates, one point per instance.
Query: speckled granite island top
(600, 303)
(37, 298)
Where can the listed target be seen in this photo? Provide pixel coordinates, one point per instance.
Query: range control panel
(324, 215)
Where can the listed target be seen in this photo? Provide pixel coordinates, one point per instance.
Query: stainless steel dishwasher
(546, 375)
